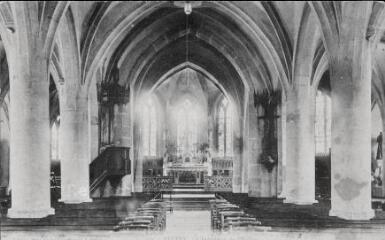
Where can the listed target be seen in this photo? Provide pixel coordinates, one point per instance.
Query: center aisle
(188, 221)
(191, 211)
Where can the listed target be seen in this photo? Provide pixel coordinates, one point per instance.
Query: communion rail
(157, 184)
(218, 183)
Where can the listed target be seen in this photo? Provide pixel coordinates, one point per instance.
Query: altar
(187, 170)
(187, 173)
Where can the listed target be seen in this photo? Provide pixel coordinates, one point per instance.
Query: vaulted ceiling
(238, 53)
(242, 45)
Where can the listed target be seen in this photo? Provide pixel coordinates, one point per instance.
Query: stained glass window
(55, 140)
(186, 127)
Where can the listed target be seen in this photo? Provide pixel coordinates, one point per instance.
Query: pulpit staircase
(113, 162)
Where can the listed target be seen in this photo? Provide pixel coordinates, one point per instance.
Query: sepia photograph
(192, 120)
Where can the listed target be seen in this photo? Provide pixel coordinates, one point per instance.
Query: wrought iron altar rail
(377, 192)
(157, 184)
(219, 183)
(222, 164)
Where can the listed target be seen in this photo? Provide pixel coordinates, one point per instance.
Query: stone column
(74, 127)
(282, 150)
(254, 149)
(351, 131)
(350, 78)
(93, 113)
(239, 165)
(30, 136)
(122, 138)
(244, 158)
(137, 157)
(300, 147)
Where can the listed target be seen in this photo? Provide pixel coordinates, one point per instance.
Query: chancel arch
(188, 129)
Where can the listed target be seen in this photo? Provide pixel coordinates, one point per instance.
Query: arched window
(149, 128)
(225, 129)
(323, 123)
(55, 140)
(187, 135)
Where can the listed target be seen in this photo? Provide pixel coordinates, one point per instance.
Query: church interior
(210, 116)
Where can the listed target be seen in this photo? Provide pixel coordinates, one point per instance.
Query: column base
(139, 188)
(30, 213)
(75, 201)
(282, 195)
(300, 201)
(350, 215)
(125, 194)
(253, 194)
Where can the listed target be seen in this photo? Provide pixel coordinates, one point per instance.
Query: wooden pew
(151, 216)
(227, 216)
(240, 222)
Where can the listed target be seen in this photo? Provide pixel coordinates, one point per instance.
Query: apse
(185, 125)
(191, 101)
(188, 118)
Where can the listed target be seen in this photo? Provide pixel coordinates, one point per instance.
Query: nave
(277, 107)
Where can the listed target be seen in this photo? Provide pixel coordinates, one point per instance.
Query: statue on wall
(379, 147)
(269, 102)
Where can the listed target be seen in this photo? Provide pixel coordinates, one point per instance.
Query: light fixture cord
(187, 52)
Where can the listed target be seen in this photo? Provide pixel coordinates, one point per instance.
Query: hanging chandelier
(187, 33)
(187, 5)
(187, 8)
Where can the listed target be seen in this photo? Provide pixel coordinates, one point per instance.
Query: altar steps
(191, 201)
(189, 186)
(184, 190)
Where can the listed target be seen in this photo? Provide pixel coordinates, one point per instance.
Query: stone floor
(180, 222)
(185, 225)
(195, 224)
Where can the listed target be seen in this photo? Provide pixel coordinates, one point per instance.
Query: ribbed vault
(259, 53)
